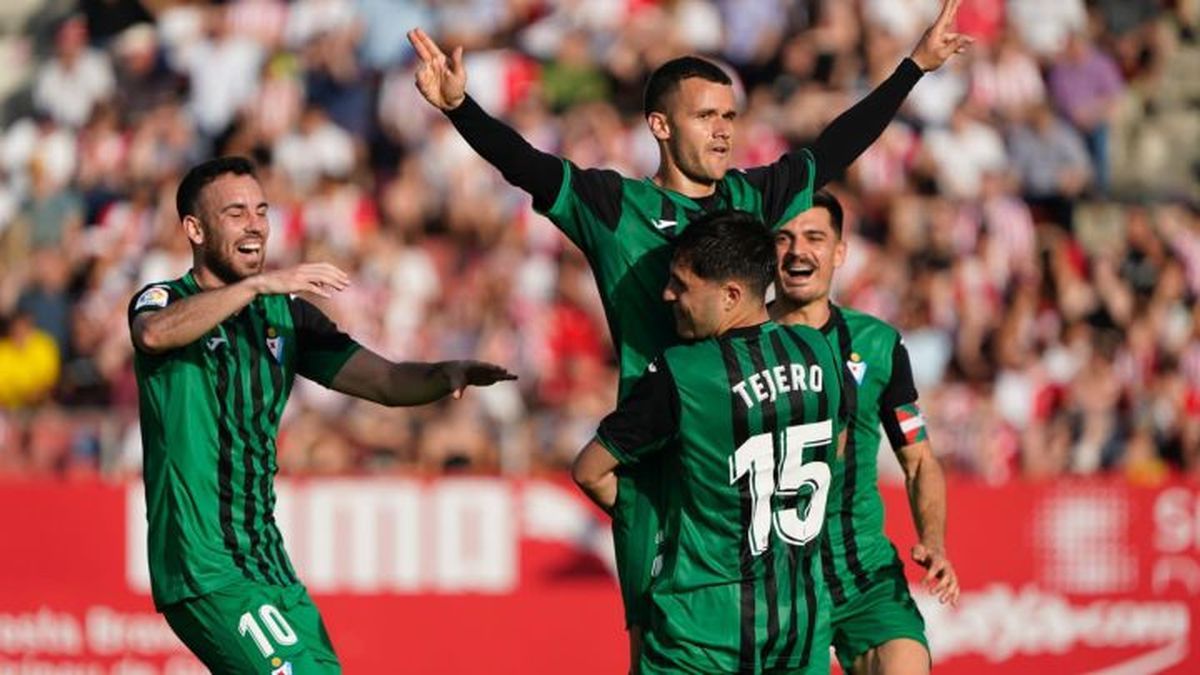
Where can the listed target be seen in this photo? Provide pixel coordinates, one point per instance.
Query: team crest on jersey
(155, 296)
(275, 344)
(285, 669)
(857, 368)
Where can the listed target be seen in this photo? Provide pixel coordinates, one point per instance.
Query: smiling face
(809, 250)
(230, 229)
(697, 129)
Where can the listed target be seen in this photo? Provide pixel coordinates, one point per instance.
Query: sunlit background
(1030, 221)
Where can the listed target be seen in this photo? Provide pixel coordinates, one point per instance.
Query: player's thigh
(901, 656)
(885, 613)
(252, 628)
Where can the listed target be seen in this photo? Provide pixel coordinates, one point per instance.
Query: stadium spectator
(75, 79)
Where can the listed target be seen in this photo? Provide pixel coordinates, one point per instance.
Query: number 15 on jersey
(755, 460)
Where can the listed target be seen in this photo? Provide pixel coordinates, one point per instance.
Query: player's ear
(732, 293)
(659, 126)
(193, 229)
(839, 253)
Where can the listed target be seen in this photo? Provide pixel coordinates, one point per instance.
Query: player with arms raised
(877, 628)
(216, 352)
(625, 225)
(744, 418)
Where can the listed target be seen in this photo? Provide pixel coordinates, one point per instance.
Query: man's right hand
(442, 81)
(321, 279)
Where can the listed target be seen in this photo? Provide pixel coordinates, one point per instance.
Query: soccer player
(744, 418)
(216, 353)
(625, 225)
(877, 628)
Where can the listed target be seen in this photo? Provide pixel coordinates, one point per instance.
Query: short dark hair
(725, 245)
(187, 198)
(666, 78)
(823, 199)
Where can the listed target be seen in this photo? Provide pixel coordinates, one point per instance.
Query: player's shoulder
(868, 325)
(156, 294)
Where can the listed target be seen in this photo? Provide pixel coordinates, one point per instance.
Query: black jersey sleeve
(646, 420)
(898, 410)
(322, 349)
(150, 298)
(524, 166)
(852, 132)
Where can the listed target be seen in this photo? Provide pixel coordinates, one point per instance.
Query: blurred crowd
(1031, 220)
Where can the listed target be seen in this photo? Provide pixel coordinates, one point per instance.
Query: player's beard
(223, 266)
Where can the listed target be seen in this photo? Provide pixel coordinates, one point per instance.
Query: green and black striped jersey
(625, 226)
(209, 414)
(883, 401)
(747, 426)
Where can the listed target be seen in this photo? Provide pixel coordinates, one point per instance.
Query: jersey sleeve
(898, 410)
(151, 298)
(322, 349)
(786, 185)
(588, 205)
(646, 420)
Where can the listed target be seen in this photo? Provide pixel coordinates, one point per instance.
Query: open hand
(940, 42)
(940, 578)
(463, 374)
(442, 81)
(320, 279)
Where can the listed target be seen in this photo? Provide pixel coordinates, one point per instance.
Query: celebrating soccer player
(744, 418)
(216, 353)
(877, 628)
(625, 226)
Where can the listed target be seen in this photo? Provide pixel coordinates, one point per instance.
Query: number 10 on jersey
(756, 459)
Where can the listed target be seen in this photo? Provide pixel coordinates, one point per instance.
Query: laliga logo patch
(275, 344)
(155, 296)
(857, 368)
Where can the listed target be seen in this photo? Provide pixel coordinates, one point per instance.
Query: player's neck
(206, 278)
(670, 177)
(746, 317)
(814, 314)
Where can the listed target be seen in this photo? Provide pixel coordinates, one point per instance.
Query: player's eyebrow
(241, 205)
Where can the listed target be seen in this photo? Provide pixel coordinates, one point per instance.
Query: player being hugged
(625, 225)
(744, 418)
(877, 628)
(216, 352)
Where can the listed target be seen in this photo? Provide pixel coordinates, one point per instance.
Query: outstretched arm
(443, 83)
(855, 130)
(184, 321)
(369, 376)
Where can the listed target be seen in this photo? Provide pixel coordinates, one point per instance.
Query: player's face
(700, 118)
(808, 250)
(695, 302)
(234, 227)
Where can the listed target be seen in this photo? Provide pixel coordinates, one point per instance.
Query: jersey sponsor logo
(857, 368)
(275, 344)
(215, 341)
(912, 423)
(155, 296)
(662, 224)
(769, 384)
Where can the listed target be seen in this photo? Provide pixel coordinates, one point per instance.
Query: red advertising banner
(490, 575)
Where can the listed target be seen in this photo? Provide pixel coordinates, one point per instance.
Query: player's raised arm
(369, 376)
(442, 81)
(158, 326)
(852, 132)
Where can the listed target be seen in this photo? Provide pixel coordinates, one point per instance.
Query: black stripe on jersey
(832, 580)
(797, 399)
(741, 432)
(245, 370)
(850, 485)
(252, 372)
(796, 404)
(225, 463)
(770, 417)
(274, 543)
